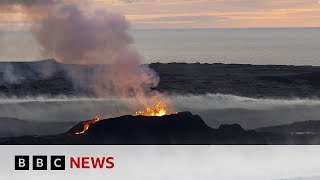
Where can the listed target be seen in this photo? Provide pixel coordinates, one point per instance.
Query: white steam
(215, 109)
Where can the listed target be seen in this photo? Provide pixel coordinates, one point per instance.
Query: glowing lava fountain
(158, 108)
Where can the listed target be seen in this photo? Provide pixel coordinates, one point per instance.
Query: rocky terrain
(264, 81)
(43, 122)
(12, 127)
(305, 127)
(181, 128)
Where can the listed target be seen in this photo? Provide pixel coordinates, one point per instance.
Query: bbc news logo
(41, 162)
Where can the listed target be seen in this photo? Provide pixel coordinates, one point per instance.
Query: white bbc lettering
(56, 164)
(39, 162)
(22, 162)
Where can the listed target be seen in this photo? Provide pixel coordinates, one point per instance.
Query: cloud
(225, 13)
(185, 18)
(133, 1)
(27, 2)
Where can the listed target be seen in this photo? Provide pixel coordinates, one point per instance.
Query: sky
(22, 16)
(173, 14)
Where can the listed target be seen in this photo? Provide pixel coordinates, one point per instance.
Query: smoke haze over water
(215, 109)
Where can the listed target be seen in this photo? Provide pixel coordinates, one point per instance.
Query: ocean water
(291, 46)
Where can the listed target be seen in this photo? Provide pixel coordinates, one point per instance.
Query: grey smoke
(215, 109)
(72, 35)
(19, 72)
(250, 113)
(10, 76)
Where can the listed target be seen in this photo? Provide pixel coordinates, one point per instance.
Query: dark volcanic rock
(267, 81)
(233, 130)
(305, 127)
(170, 129)
(181, 128)
(12, 127)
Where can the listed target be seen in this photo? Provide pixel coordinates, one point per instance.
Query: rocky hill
(182, 128)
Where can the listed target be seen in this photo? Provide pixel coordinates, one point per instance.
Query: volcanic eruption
(78, 33)
(157, 108)
(87, 124)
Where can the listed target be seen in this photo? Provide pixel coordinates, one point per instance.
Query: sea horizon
(257, 46)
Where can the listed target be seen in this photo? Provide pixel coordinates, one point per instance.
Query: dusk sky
(168, 14)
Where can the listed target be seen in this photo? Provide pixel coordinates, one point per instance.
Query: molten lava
(158, 108)
(87, 124)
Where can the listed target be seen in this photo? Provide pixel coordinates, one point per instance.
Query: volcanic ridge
(182, 128)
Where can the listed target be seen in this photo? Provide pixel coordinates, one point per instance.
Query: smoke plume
(95, 36)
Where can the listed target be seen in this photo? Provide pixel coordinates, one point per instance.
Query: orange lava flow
(159, 108)
(87, 124)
